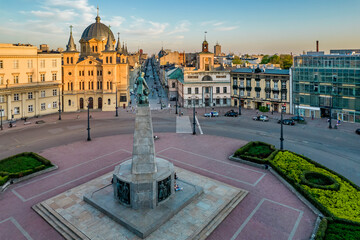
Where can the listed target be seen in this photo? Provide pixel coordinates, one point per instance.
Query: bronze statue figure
(142, 91)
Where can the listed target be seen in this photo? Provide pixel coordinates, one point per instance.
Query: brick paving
(269, 211)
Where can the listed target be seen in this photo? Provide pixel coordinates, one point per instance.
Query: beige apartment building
(98, 76)
(29, 81)
(260, 87)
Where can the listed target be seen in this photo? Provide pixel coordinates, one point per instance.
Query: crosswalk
(183, 124)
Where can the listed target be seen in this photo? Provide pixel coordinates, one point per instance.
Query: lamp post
(116, 103)
(281, 129)
(194, 120)
(59, 105)
(1, 112)
(177, 96)
(88, 128)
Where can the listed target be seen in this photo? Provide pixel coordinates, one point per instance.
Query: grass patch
(260, 151)
(21, 165)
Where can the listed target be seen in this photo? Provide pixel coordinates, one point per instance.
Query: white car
(211, 114)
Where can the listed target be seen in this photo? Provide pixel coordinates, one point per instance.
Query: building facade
(98, 75)
(260, 87)
(327, 83)
(205, 85)
(30, 81)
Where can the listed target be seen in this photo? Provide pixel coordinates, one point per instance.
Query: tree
(265, 59)
(237, 60)
(286, 61)
(275, 59)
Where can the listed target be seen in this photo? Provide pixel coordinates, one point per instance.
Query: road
(337, 149)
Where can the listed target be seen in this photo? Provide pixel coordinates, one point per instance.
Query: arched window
(96, 49)
(110, 59)
(69, 102)
(67, 60)
(72, 60)
(68, 86)
(109, 101)
(207, 78)
(93, 49)
(107, 59)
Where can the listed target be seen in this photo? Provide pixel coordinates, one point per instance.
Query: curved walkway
(270, 210)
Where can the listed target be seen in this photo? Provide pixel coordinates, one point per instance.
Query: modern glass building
(325, 84)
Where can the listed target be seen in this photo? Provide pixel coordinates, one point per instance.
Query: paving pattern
(269, 211)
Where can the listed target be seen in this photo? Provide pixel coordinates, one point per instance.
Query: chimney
(317, 46)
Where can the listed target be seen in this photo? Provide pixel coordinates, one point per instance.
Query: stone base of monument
(195, 218)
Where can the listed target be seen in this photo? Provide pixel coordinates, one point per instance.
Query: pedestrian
(338, 122)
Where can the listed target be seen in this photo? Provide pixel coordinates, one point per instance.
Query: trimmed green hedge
(341, 204)
(242, 152)
(329, 183)
(21, 165)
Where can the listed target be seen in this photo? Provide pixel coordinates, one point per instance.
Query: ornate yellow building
(29, 81)
(99, 74)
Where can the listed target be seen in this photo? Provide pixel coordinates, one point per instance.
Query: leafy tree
(265, 60)
(237, 60)
(286, 61)
(275, 59)
(263, 109)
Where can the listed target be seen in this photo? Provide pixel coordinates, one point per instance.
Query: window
(2, 99)
(173, 84)
(92, 85)
(217, 89)
(16, 64)
(54, 63)
(258, 94)
(16, 110)
(197, 102)
(283, 84)
(283, 96)
(248, 93)
(241, 83)
(54, 76)
(30, 108)
(234, 81)
(16, 97)
(196, 90)
(225, 90)
(1, 64)
(248, 82)
(276, 96)
(67, 60)
(54, 92)
(189, 90)
(217, 101)
(30, 78)
(79, 73)
(55, 104)
(29, 63)
(267, 94)
(42, 77)
(257, 83)
(206, 89)
(189, 102)
(242, 93)
(30, 95)
(79, 85)
(267, 84)
(72, 60)
(42, 63)
(43, 93)
(1, 80)
(109, 101)
(235, 91)
(225, 101)
(276, 85)
(69, 102)
(16, 79)
(43, 106)
(123, 98)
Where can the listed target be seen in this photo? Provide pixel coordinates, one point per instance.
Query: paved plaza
(269, 211)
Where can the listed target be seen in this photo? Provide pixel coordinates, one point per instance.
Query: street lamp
(281, 129)
(194, 122)
(59, 105)
(88, 128)
(177, 96)
(116, 103)
(1, 112)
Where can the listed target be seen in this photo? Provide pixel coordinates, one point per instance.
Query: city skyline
(239, 26)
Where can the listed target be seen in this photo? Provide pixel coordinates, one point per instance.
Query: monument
(143, 187)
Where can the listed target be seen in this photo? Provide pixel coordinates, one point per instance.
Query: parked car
(231, 113)
(298, 118)
(211, 114)
(263, 118)
(357, 131)
(287, 122)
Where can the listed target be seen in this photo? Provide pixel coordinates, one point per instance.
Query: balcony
(275, 90)
(257, 89)
(267, 89)
(248, 88)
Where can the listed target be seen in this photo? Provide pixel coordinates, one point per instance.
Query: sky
(240, 26)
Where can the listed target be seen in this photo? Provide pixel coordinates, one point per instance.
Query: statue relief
(164, 189)
(123, 192)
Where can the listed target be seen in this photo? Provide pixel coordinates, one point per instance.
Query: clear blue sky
(240, 26)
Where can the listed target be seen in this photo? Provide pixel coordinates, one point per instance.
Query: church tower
(205, 45)
(205, 59)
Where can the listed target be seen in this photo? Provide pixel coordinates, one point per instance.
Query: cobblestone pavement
(269, 211)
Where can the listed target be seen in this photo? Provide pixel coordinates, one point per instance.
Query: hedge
(5, 176)
(240, 153)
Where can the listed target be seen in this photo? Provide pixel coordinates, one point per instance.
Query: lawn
(19, 164)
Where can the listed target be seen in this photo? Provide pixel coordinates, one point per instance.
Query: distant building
(217, 49)
(29, 81)
(260, 87)
(171, 58)
(345, 51)
(98, 75)
(203, 85)
(327, 82)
